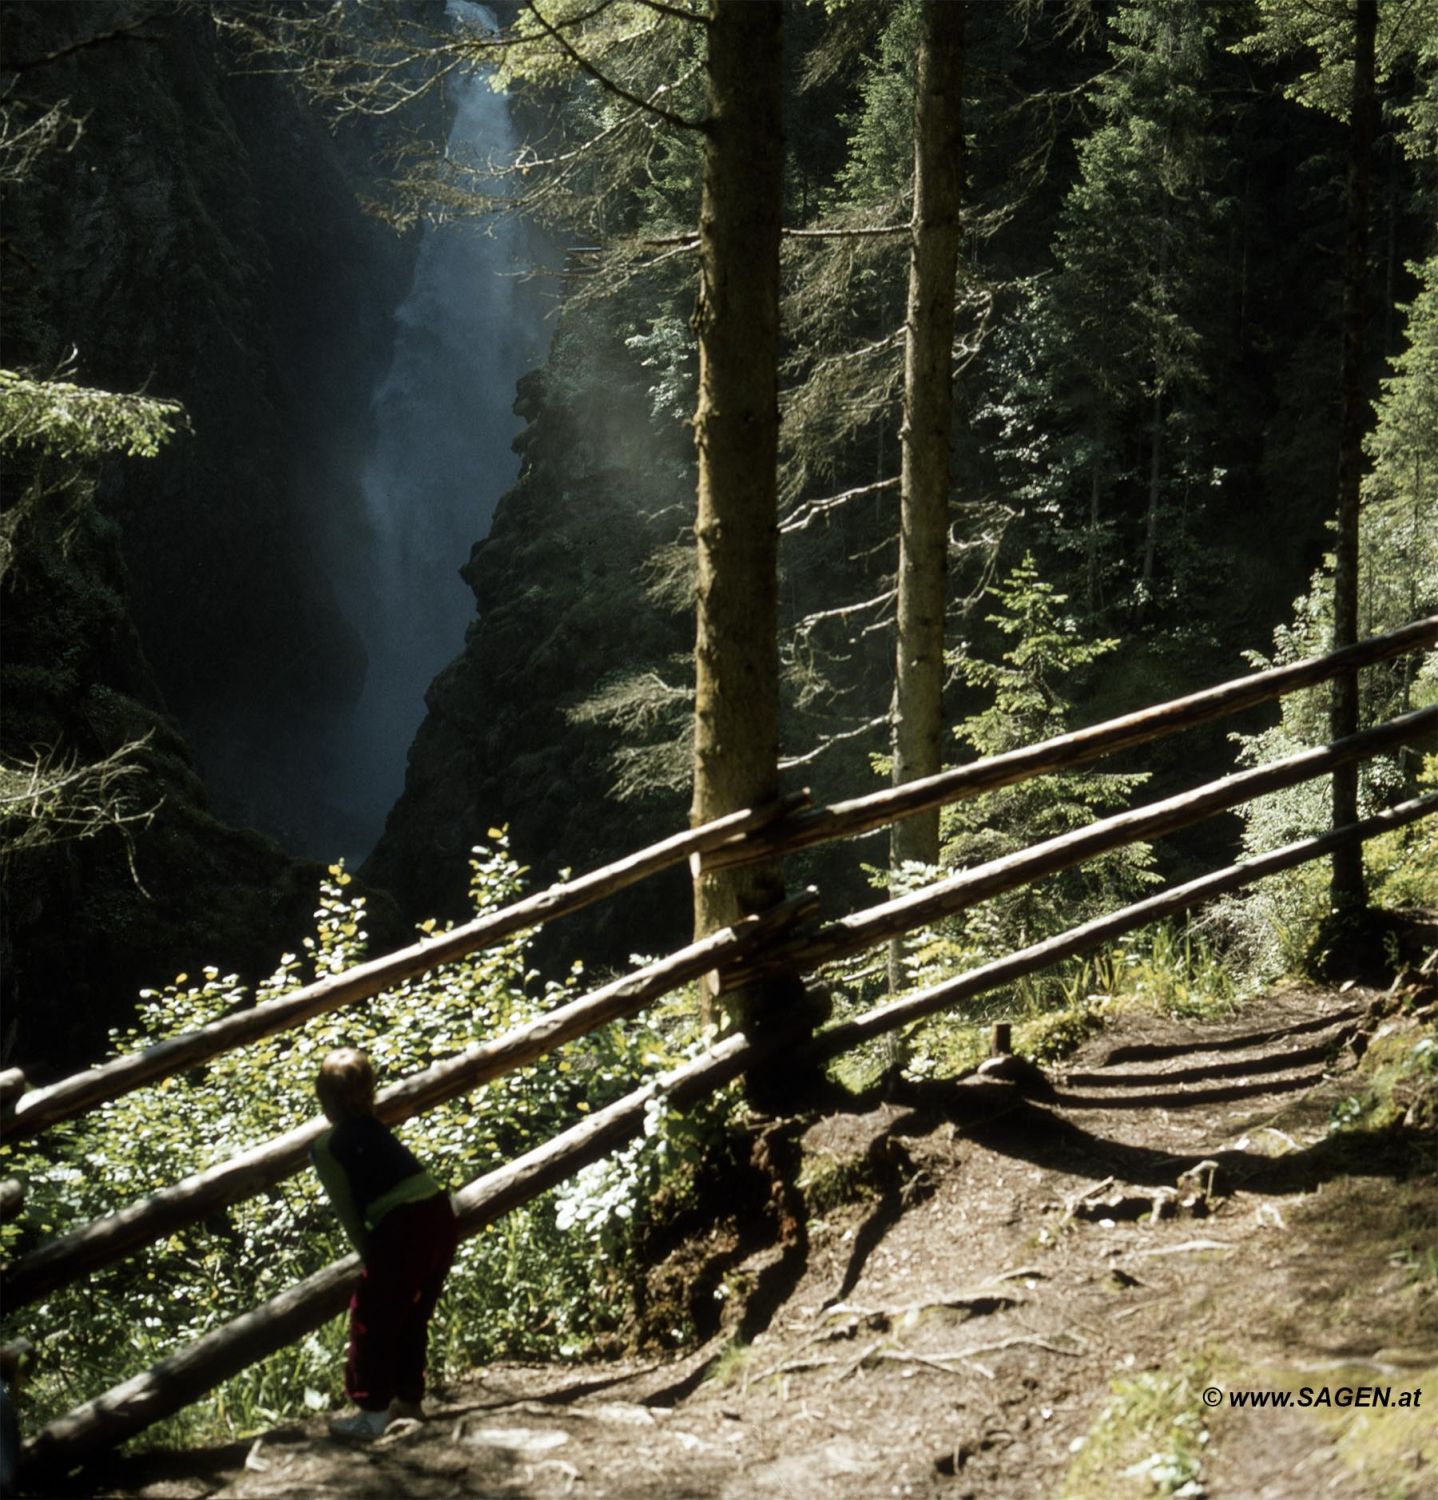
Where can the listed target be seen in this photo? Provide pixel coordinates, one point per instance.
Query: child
(404, 1228)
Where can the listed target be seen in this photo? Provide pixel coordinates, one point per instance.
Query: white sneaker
(360, 1426)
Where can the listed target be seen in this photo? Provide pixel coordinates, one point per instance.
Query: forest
(450, 447)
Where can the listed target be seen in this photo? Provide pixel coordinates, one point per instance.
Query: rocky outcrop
(203, 241)
(560, 585)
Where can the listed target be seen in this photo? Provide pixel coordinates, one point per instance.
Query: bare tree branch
(845, 234)
(127, 33)
(811, 509)
(843, 611)
(880, 721)
(676, 11)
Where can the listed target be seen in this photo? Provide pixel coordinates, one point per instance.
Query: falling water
(442, 456)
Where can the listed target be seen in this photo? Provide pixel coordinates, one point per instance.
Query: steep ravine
(564, 601)
(202, 241)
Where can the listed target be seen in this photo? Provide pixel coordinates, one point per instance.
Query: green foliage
(654, 720)
(47, 800)
(1175, 969)
(1399, 528)
(530, 1284)
(667, 347)
(1401, 1085)
(1029, 690)
(1148, 1440)
(881, 130)
(1101, 378)
(1320, 34)
(53, 432)
(74, 421)
(1398, 554)
(1172, 969)
(57, 430)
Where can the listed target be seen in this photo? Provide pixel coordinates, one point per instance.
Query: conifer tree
(1127, 304)
(736, 431)
(928, 415)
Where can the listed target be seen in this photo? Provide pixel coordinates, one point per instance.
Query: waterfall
(441, 457)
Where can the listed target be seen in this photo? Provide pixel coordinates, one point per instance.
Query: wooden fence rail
(761, 833)
(802, 829)
(877, 924)
(1102, 930)
(759, 945)
(102, 1241)
(183, 1377)
(27, 1113)
(108, 1239)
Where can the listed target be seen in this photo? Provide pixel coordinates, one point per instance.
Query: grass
(1149, 1438)
(1168, 970)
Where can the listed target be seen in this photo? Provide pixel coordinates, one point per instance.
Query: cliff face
(202, 241)
(563, 597)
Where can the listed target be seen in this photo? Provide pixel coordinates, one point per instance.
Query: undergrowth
(547, 1280)
(1149, 1439)
(554, 1277)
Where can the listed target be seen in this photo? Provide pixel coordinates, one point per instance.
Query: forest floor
(970, 1292)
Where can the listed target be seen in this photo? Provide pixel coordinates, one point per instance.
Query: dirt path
(971, 1296)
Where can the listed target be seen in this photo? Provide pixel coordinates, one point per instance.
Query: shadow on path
(998, 1117)
(1149, 1051)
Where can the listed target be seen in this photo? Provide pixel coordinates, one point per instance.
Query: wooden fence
(785, 939)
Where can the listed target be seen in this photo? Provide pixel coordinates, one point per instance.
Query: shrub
(529, 1284)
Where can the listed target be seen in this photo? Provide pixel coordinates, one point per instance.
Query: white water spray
(442, 456)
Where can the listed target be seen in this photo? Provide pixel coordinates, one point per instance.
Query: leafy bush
(529, 1284)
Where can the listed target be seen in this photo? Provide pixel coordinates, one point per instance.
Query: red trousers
(406, 1260)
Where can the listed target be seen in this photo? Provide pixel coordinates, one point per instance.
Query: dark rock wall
(201, 241)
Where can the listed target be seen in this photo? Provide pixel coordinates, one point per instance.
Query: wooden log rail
(783, 827)
(802, 829)
(182, 1377)
(102, 1241)
(759, 947)
(877, 924)
(1103, 930)
(26, 1114)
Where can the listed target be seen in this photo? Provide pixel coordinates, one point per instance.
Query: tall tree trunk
(928, 416)
(1347, 888)
(736, 433)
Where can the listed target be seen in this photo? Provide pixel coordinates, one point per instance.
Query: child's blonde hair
(345, 1084)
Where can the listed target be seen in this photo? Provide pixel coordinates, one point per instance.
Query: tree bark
(736, 432)
(1155, 476)
(1347, 886)
(928, 417)
(1095, 494)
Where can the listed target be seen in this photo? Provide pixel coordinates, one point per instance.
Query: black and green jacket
(367, 1171)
